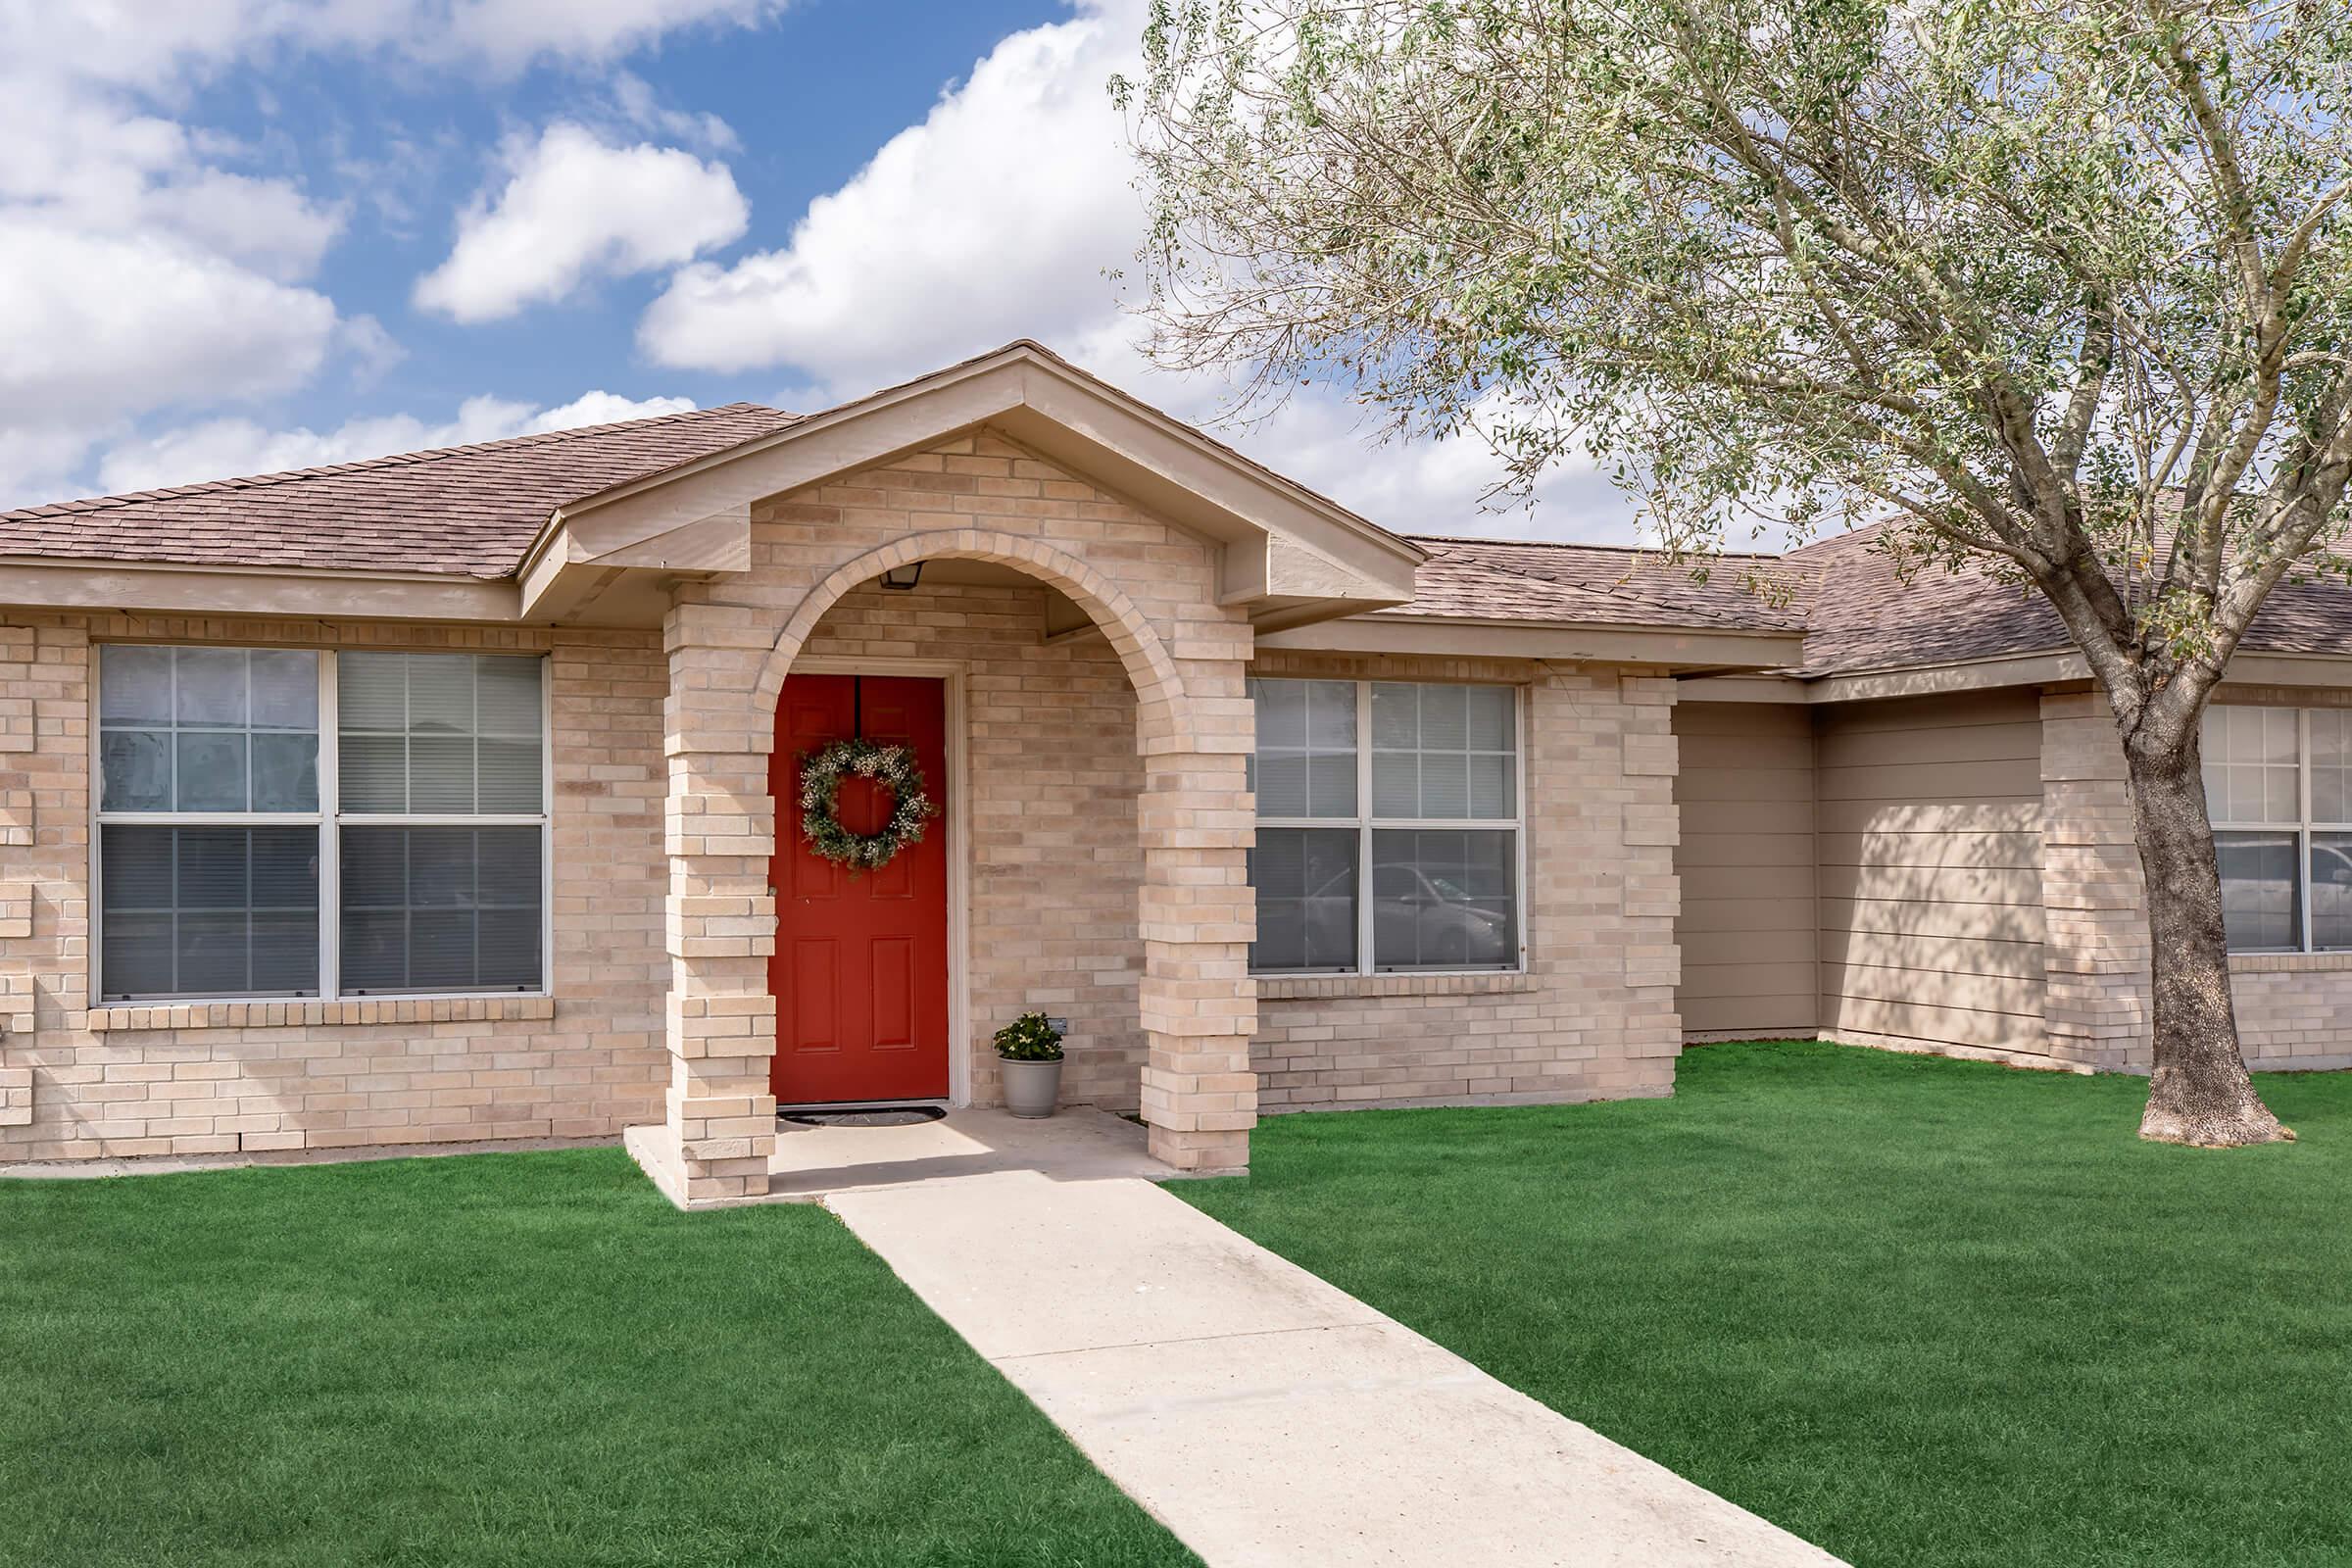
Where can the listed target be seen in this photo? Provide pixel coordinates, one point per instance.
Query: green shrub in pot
(1030, 1050)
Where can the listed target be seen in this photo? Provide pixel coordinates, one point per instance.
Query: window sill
(303, 1015)
(1472, 983)
(2290, 962)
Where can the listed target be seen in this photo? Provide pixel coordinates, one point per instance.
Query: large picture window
(1389, 827)
(2278, 788)
(282, 822)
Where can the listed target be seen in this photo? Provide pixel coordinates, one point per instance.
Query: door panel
(860, 971)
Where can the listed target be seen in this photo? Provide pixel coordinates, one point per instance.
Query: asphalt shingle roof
(468, 511)
(1862, 614)
(472, 510)
(1494, 579)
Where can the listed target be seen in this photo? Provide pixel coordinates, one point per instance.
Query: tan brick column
(1196, 917)
(721, 837)
(2095, 959)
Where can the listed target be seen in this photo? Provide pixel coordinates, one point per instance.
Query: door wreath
(894, 766)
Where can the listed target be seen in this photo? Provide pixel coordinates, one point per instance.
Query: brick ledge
(296, 1014)
(2290, 962)
(1294, 987)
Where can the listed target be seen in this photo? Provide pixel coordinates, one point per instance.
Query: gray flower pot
(1031, 1087)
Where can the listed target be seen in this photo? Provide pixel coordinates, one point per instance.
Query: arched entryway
(732, 648)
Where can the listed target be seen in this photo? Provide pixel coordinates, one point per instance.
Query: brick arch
(1158, 684)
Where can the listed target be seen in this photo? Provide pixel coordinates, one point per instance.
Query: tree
(2056, 286)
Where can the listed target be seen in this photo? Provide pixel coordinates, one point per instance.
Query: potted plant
(1030, 1047)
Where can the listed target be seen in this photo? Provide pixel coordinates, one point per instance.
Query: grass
(508, 1358)
(1919, 1311)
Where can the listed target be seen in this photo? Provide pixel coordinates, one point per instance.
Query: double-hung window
(1389, 827)
(2278, 788)
(285, 822)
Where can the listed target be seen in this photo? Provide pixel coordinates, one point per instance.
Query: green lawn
(506, 1358)
(1919, 1311)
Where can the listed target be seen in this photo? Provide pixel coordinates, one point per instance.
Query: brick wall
(290, 1074)
(2291, 1007)
(1593, 1017)
(662, 829)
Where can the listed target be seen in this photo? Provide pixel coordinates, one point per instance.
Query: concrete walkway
(1265, 1416)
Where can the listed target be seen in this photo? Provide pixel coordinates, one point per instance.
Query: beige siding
(1929, 852)
(1746, 863)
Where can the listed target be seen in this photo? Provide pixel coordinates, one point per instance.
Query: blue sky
(237, 235)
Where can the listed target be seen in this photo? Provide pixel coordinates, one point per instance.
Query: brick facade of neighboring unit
(2023, 915)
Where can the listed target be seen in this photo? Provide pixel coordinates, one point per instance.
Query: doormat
(887, 1116)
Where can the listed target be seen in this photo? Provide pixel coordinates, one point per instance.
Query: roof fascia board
(560, 580)
(150, 589)
(2289, 670)
(1465, 639)
(1742, 688)
(2024, 669)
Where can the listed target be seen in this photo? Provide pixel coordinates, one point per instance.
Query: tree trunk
(2200, 1093)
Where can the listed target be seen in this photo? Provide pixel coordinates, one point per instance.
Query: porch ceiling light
(902, 577)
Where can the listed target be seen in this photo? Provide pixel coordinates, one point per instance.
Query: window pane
(371, 772)
(209, 687)
(1443, 899)
(208, 729)
(2251, 770)
(1305, 761)
(2330, 767)
(372, 692)
(507, 697)
(441, 774)
(1443, 752)
(211, 770)
(2331, 889)
(285, 689)
(442, 734)
(2258, 890)
(134, 686)
(285, 772)
(207, 912)
(1306, 882)
(441, 909)
(134, 768)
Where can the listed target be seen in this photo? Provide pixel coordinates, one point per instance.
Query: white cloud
(997, 218)
(102, 326)
(148, 264)
(227, 448)
(84, 157)
(573, 209)
(993, 218)
(153, 42)
(636, 103)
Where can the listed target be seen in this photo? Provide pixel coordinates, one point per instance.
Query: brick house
(454, 795)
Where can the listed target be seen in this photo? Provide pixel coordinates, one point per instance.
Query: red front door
(861, 968)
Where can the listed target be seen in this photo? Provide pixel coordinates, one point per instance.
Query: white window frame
(1365, 825)
(329, 820)
(2301, 829)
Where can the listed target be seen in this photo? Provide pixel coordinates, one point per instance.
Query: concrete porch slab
(1077, 1143)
